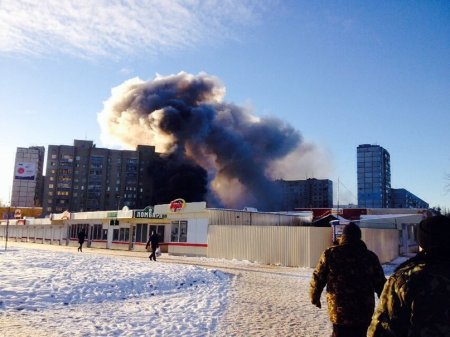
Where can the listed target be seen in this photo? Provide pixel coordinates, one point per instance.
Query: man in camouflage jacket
(352, 274)
(416, 299)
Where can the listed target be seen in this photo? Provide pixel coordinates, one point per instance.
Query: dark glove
(316, 302)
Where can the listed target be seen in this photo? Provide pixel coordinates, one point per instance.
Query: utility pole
(7, 221)
(337, 212)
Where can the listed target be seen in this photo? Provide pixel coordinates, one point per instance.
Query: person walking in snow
(416, 298)
(352, 274)
(81, 237)
(153, 241)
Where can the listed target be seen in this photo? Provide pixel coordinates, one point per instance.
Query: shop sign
(111, 215)
(61, 216)
(147, 213)
(177, 205)
(65, 215)
(18, 214)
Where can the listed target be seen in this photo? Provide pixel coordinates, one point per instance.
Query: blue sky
(343, 73)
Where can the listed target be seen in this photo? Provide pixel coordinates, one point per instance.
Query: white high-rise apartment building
(28, 185)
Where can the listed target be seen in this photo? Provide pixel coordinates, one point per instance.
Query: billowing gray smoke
(230, 151)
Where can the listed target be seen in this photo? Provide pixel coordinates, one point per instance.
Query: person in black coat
(153, 240)
(81, 237)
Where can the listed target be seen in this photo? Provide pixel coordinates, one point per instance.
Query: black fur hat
(351, 231)
(434, 233)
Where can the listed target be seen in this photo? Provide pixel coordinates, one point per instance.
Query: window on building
(124, 234)
(74, 229)
(121, 234)
(98, 233)
(178, 231)
(141, 232)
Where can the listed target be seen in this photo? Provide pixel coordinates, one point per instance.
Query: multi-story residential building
(27, 189)
(83, 177)
(309, 193)
(402, 198)
(374, 176)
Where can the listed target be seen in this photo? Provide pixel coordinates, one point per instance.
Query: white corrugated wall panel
(280, 245)
(383, 242)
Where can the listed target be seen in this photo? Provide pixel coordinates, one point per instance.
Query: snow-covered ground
(78, 294)
(56, 291)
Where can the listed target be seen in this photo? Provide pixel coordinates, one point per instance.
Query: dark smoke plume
(214, 151)
(173, 178)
